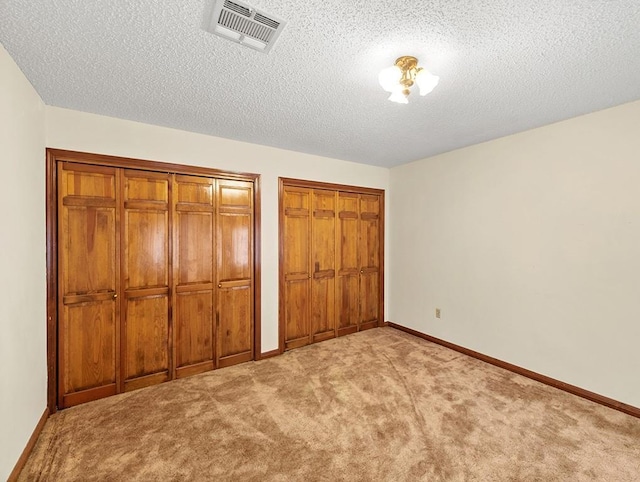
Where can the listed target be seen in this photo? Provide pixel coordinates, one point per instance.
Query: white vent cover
(245, 25)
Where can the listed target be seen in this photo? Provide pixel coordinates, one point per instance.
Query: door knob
(115, 295)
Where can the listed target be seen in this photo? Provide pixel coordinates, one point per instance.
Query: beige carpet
(379, 405)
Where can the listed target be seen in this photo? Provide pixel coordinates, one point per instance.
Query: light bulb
(389, 78)
(398, 96)
(426, 81)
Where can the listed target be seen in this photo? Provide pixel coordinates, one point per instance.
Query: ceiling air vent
(245, 25)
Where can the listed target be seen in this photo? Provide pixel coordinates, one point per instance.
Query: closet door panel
(194, 247)
(89, 353)
(146, 349)
(347, 232)
(146, 278)
(323, 261)
(89, 243)
(235, 196)
(296, 249)
(297, 230)
(195, 274)
(369, 232)
(235, 246)
(194, 331)
(297, 242)
(348, 304)
(369, 301)
(235, 230)
(297, 301)
(147, 250)
(348, 264)
(234, 272)
(323, 309)
(235, 328)
(88, 283)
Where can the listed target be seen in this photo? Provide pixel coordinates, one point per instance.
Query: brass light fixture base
(409, 67)
(406, 62)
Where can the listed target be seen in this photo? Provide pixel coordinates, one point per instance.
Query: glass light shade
(398, 97)
(426, 81)
(389, 78)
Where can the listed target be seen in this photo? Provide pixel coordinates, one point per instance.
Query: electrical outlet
(437, 312)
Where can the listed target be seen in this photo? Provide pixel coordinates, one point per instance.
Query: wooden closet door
(323, 258)
(235, 272)
(145, 278)
(194, 274)
(369, 246)
(296, 259)
(348, 269)
(88, 283)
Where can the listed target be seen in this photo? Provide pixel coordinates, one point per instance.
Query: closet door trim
(286, 181)
(53, 157)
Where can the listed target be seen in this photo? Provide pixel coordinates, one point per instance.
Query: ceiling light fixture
(400, 78)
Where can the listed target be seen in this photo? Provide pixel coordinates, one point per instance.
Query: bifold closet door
(330, 262)
(235, 287)
(348, 267)
(369, 258)
(145, 278)
(194, 274)
(88, 283)
(359, 232)
(309, 246)
(296, 260)
(155, 276)
(323, 259)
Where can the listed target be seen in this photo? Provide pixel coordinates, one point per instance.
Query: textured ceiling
(504, 66)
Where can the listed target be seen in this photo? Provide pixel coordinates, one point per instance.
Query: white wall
(530, 245)
(68, 129)
(23, 381)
